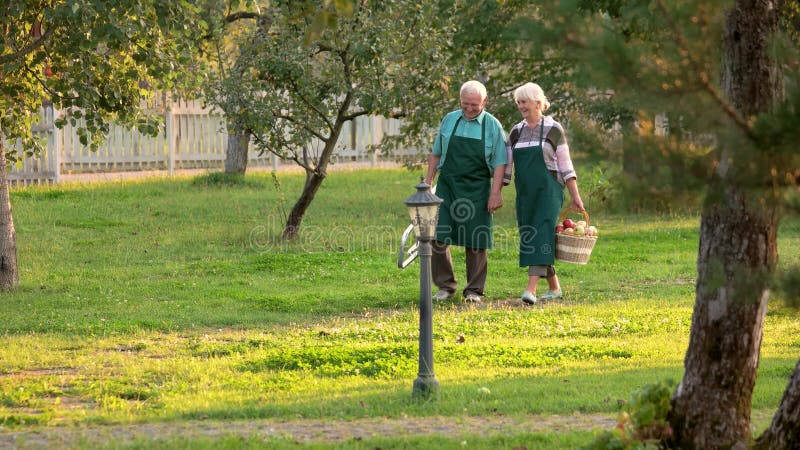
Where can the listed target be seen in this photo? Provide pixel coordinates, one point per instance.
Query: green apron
(539, 200)
(464, 186)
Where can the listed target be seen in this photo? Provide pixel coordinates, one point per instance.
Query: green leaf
(344, 7)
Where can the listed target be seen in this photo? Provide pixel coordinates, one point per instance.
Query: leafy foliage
(294, 93)
(95, 61)
(663, 58)
(643, 422)
(501, 43)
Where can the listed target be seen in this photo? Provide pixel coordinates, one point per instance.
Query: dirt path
(303, 431)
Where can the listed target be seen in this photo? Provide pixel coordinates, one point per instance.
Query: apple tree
(301, 77)
(95, 61)
(230, 24)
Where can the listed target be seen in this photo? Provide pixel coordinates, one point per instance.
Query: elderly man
(470, 154)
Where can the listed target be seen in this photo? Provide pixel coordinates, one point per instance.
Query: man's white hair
(473, 87)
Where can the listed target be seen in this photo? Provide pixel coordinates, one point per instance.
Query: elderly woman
(542, 167)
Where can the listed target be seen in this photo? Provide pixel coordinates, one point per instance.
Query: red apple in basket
(559, 228)
(568, 223)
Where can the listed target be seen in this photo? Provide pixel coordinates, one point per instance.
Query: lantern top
(423, 196)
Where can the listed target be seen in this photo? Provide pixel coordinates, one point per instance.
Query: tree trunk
(711, 407)
(738, 250)
(236, 152)
(9, 271)
(314, 180)
(315, 177)
(784, 432)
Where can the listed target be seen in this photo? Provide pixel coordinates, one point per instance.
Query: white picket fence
(193, 137)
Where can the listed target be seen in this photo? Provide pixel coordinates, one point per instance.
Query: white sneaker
(551, 295)
(472, 298)
(442, 295)
(529, 298)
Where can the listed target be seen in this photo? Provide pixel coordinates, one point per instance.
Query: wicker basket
(574, 249)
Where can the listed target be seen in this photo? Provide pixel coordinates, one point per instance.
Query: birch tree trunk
(738, 250)
(9, 271)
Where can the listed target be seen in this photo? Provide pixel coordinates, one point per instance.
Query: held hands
(495, 202)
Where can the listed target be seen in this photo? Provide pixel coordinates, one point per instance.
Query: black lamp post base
(425, 388)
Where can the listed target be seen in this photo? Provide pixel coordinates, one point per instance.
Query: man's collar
(478, 118)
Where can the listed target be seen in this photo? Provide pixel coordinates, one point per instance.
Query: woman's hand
(572, 187)
(495, 202)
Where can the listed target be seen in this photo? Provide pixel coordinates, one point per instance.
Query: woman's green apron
(539, 200)
(464, 186)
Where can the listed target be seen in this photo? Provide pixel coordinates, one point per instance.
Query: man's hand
(495, 202)
(495, 196)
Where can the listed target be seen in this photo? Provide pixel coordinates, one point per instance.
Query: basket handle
(566, 211)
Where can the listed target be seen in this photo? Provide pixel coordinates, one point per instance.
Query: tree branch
(311, 105)
(260, 142)
(308, 165)
(28, 48)
(241, 15)
(291, 119)
(348, 78)
(301, 163)
(233, 17)
(704, 78)
(42, 83)
(355, 114)
(324, 48)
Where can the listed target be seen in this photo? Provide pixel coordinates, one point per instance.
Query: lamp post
(423, 208)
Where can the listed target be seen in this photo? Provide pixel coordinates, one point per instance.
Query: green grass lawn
(172, 299)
